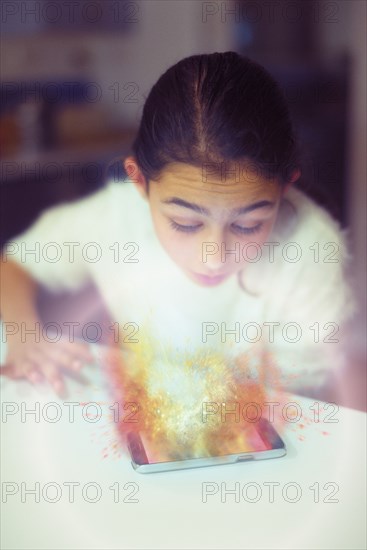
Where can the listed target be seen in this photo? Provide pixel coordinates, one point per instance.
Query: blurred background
(74, 76)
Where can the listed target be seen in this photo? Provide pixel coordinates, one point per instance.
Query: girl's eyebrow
(205, 211)
(185, 204)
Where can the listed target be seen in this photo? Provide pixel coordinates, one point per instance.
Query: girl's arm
(18, 292)
(29, 356)
(67, 226)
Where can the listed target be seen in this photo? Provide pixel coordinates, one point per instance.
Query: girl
(207, 244)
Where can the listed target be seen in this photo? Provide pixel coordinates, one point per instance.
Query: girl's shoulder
(127, 206)
(306, 250)
(114, 209)
(304, 222)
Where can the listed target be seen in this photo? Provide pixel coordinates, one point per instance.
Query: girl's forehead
(237, 186)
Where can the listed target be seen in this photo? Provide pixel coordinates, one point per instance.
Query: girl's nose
(212, 252)
(214, 262)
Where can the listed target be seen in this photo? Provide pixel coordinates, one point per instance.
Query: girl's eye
(184, 228)
(247, 230)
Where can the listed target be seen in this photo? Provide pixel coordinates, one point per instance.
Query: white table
(166, 510)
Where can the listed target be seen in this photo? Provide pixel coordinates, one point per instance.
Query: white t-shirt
(295, 282)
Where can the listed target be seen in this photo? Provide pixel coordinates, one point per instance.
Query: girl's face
(207, 226)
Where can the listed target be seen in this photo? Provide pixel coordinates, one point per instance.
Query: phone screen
(251, 440)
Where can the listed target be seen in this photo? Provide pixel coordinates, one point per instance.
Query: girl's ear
(295, 175)
(136, 176)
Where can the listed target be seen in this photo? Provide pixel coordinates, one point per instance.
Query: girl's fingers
(63, 358)
(42, 362)
(24, 367)
(70, 355)
(80, 350)
(34, 376)
(52, 376)
(9, 370)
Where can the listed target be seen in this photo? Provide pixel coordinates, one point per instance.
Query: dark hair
(212, 108)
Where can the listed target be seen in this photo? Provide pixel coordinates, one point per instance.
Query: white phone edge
(205, 462)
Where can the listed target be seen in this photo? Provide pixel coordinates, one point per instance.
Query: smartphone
(260, 441)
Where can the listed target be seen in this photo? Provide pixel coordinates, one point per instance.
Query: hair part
(213, 108)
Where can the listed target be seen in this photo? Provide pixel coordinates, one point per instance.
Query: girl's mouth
(209, 280)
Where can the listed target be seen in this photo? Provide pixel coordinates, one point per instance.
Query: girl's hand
(42, 361)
